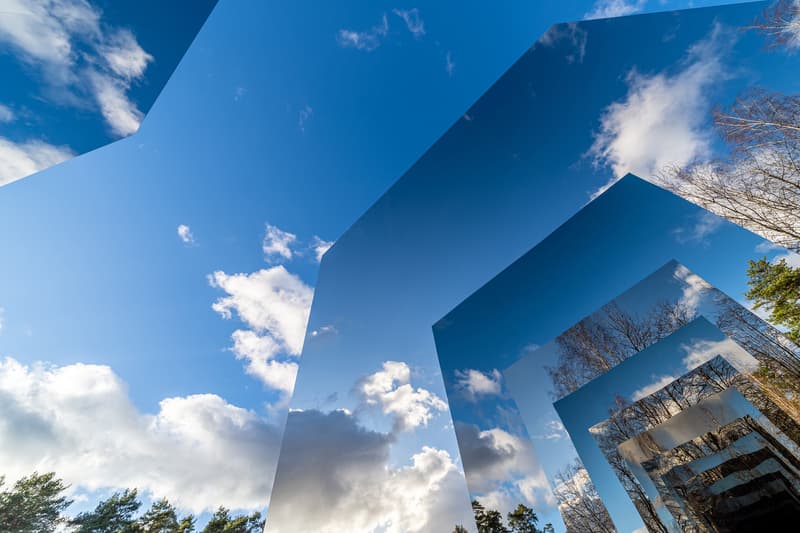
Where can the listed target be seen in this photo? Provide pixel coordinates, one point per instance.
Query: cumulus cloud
(185, 234)
(275, 305)
(615, 8)
(77, 55)
(343, 482)
(365, 40)
(502, 467)
(77, 420)
(663, 120)
(260, 352)
(277, 244)
(320, 247)
(413, 21)
(18, 160)
(474, 383)
(391, 390)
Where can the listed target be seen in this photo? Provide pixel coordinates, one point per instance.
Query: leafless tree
(758, 184)
(580, 504)
(781, 24)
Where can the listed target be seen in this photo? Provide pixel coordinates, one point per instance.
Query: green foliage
(460, 529)
(33, 505)
(523, 520)
(114, 515)
(488, 521)
(776, 288)
(163, 518)
(222, 522)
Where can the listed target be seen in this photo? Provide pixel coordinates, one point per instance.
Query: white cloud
(77, 420)
(277, 244)
(18, 160)
(615, 8)
(324, 330)
(695, 288)
(271, 301)
(6, 114)
(657, 383)
(348, 485)
(702, 350)
(303, 117)
(663, 120)
(320, 247)
(449, 65)
(259, 351)
(475, 383)
(704, 224)
(124, 56)
(413, 21)
(367, 40)
(77, 55)
(185, 234)
(576, 37)
(502, 467)
(120, 113)
(391, 390)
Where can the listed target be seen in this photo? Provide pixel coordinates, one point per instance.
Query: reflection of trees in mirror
(775, 287)
(632, 422)
(521, 520)
(601, 341)
(580, 504)
(36, 504)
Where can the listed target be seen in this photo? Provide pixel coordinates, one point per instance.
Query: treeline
(521, 520)
(36, 504)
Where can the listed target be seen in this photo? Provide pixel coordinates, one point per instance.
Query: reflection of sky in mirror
(584, 264)
(500, 180)
(78, 75)
(637, 377)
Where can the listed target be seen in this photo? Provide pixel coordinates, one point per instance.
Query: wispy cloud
(303, 117)
(364, 40)
(185, 234)
(615, 8)
(18, 160)
(320, 247)
(6, 114)
(413, 21)
(573, 35)
(449, 65)
(703, 224)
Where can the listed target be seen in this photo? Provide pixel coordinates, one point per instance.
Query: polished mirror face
(507, 360)
(79, 74)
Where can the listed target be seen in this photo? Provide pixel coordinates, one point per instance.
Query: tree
(163, 518)
(523, 520)
(781, 24)
(33, 505)
(758, 185)
(114, 515)
(580, 503)
(222, 522)
(776, 288)
(460, 529)
(488, 521)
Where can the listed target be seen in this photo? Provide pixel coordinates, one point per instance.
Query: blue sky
(300, 116)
